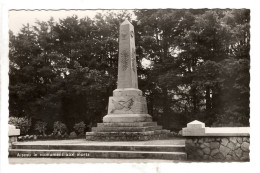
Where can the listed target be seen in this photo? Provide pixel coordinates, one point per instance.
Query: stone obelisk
(127, 117)
(127, 103)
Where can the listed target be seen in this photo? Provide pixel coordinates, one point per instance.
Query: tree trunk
(208, 99)
(166, 106)
(194, 100)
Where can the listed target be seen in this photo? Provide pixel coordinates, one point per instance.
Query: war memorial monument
(127, 117)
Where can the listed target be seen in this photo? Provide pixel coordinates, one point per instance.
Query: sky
(18, 18)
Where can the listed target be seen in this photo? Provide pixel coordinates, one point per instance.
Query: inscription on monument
(133, 59)
(124, 59)
(124, 33)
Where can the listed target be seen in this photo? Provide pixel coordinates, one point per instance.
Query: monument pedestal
(127, 117)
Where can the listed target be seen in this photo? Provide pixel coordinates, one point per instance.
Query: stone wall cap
(227, 131)
(196, 122)
(217, 131)
(12, 131)
(196, 125)
(10, 126)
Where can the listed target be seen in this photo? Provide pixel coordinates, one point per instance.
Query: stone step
(127, 136)
(136, 124)
(127, 133)
(125, 129)
(154, 148)
(22, 153)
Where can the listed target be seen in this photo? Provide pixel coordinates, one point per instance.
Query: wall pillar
(13, 133)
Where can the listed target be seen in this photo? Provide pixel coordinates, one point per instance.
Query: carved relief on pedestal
(127, 105)
(122, 105)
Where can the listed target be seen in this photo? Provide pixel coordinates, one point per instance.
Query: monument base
(127, 136)
(127, 118)
(127, 131)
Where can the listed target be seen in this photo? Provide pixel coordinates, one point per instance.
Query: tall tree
(198, 66)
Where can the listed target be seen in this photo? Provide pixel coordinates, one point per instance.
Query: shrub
(41, 127)
(80, 127)
(21, 123)
(72, 135)
(59, 128)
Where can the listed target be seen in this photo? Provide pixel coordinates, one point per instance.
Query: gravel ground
(83, 161)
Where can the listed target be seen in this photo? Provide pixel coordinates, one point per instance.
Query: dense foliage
(41, 127)
(59, 128)
(199, 67)
(80, 128)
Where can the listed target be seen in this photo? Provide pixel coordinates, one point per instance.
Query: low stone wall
(217, 148)
(216, 144)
